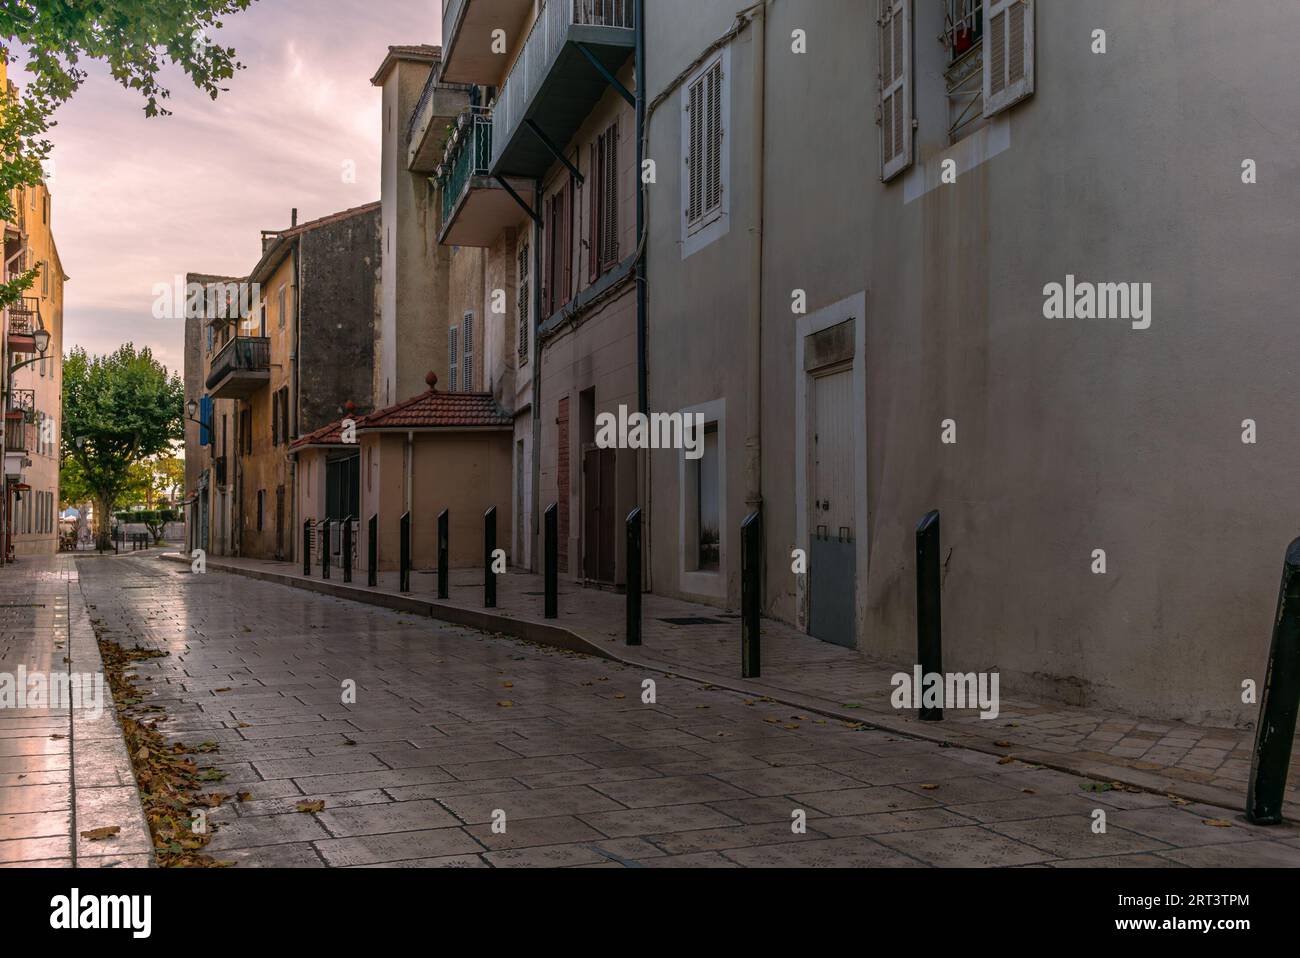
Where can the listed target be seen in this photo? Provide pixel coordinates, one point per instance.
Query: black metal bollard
(347, 549)
(634, 577)
(325, 549)
(1279, 702)
(929, 626)
(489, 547)
(404, 557)
(550, 573)
(444, 551)
(306, 547)
(751, 593)
(372, 549)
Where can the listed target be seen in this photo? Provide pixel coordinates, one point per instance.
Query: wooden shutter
(1009, 57)
(467, 369)
(523, 304)
(453, 358)
(609, 199)
(595, 200)
(895, 87)
(713, 142)
(695, 152)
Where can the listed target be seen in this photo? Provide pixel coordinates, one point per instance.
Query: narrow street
(453, 730)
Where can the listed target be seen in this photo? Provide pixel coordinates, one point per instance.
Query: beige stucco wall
(45, 378)
(266, 468)
(1073, 435)
(463, 472)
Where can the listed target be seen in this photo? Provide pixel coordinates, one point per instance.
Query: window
(261, 318)
(706, 106)
(964, 25)
(210, 338)
(286, 431)
(894, 111)
(284, 304)
(246, 431)
(559, 250)
(1009, 57)
(467, 366)
(523, 303)
(453, 359)
(604, 202)
(261, 505)
(45, 277)
(275, 419)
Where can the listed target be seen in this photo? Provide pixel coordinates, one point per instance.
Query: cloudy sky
(138, 201)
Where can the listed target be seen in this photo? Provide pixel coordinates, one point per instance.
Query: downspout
(642, 385)
(410, 467)
(534, 565)
(754, 358)
(294, 504)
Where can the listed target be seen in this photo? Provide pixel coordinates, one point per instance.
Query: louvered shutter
(695, 152)
(523, 304)
(713, 180)
(467, 368)
(1009, 53)
(609, 246)
(453, 359)
(895, 87)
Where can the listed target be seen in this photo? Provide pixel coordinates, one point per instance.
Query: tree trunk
(103, 527)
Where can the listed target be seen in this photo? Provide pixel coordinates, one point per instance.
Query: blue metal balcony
(554, 83)
(475, 208)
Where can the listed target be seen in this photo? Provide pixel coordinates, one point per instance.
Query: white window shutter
(453, 358)
(895, 87)
(1008, 54)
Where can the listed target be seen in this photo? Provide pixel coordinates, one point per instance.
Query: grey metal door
(832, 565)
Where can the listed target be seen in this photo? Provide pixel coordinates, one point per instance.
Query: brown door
(562, 482)
(599, 529)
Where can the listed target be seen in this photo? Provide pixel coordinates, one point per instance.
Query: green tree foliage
(118, 410)
(136, 39)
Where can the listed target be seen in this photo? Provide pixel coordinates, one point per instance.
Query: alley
(465, 749)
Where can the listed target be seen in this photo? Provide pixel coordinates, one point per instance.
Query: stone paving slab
(1196, 762)
(63, 771)
(466, 749)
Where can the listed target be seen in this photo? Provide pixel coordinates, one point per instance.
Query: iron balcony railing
(469, 154)
(23, 401)
(25, 316)
(243, 354)
(543, 45)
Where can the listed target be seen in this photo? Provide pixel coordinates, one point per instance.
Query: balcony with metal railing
(475, 207)
(23, 401)
(470, 53)
(24, 320)
(564, 68)
(426, 132)
(241, 368)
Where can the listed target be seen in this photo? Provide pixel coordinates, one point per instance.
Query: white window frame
(696, 236)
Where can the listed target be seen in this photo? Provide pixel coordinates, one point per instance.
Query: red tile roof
(440, 410)
(330, 435)
(428, 410)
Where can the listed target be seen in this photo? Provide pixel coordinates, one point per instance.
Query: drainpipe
(754, 357)
(410, 466)
(294, 507)
(642, 385)
(534, 564)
